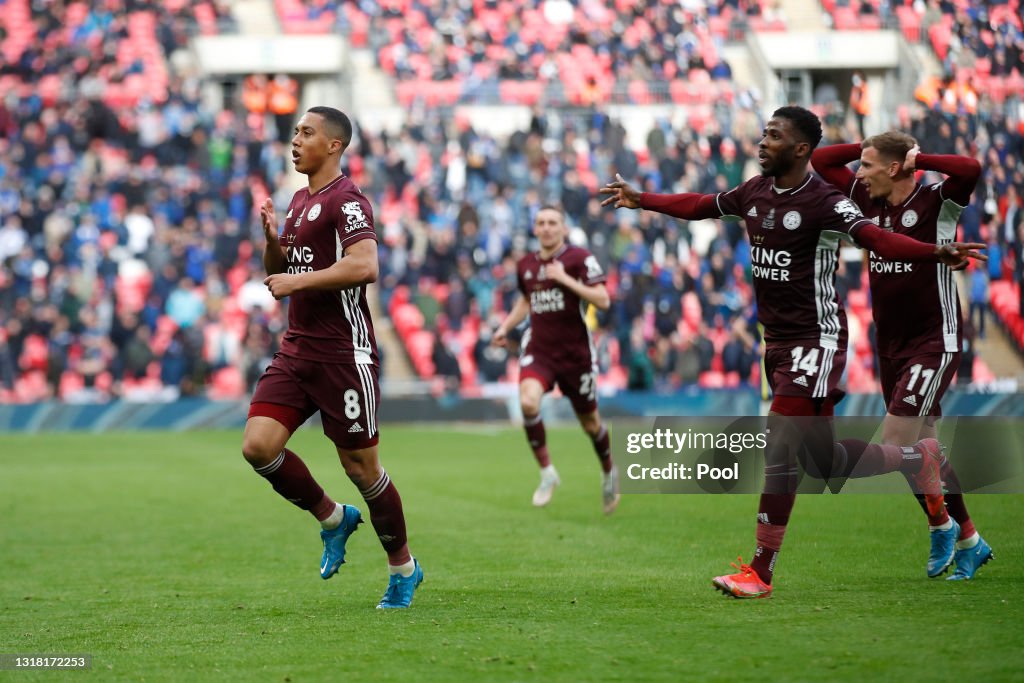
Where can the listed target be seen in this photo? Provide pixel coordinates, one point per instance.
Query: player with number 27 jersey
(558, 343)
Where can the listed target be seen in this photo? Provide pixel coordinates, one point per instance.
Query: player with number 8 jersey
(322, 262)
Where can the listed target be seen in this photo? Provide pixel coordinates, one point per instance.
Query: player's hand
(269, 219)
(910, 163)
(282, 285)
(555, 271)
(499, 338)
(957, 255)
(623, 195)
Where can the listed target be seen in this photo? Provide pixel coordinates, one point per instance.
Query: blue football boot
(943, 548)
(968, 560)
(335, 539)
(401, 588)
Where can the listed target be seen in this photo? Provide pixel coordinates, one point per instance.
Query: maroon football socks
(603, 448)
(388, 519)
(772, 517)
(292, 480)
(538, 439)
(955, 502)
(867, 460)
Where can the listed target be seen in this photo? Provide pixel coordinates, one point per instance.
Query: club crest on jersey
(909, 218)
(791, 221)
(314, 213)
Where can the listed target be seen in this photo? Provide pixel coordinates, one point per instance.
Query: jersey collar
(793, 190)
(327, 186)
(555, 255)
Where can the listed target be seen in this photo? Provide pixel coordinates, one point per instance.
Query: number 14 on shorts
(806, 363)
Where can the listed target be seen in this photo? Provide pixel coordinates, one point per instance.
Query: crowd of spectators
(575, 53)
(125, 208)
(129, 255)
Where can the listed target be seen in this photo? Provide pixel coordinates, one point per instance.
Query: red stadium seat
(711, 380)
(35, 354)
(910, 23)
(420, 345)
(940, 34)
(406, 319)
(31, 387)
(616, 378)
(226, 384)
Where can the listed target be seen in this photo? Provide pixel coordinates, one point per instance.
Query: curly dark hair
(805, 122)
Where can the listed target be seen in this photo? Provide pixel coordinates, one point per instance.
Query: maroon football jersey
(328, 326)
(794, 243)
(558, 331)
(915, 305)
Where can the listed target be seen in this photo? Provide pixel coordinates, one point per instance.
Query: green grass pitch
(167, 559)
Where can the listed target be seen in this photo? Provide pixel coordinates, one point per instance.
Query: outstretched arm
(830, 163)
(688, 205)
(961, 173)
(894, 246)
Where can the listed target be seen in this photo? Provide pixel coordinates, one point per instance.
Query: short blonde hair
(892, 145)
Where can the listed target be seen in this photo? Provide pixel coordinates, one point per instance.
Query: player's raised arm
(962, 173)
(894, 246)
(273, 254)
(520, 309)
(830, 163)
(686, 205)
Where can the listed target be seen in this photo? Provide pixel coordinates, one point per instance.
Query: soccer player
(328, 360)
(556, 284)
(794, 221)
(916, 311)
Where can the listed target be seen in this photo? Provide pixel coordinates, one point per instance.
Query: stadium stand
(515, 51)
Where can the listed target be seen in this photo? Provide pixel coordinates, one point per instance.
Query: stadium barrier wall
(200, 413)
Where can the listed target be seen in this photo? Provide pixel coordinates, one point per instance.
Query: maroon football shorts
(913, 386)
(805, 369)
(347, 397)
(578, 383)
